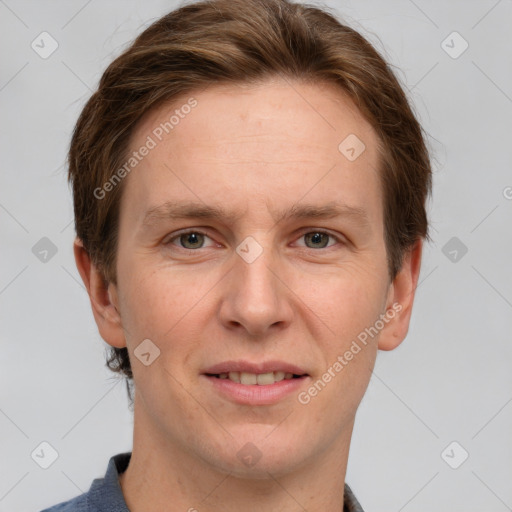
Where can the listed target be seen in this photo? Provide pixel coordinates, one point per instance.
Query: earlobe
(103, 297)
(401, 298)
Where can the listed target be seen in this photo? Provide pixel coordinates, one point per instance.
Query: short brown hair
(243, 41)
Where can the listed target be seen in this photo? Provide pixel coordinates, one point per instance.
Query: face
(271, 286)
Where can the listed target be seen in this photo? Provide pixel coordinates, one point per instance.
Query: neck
(162, 476)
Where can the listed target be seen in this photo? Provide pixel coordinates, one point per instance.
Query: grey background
(450, 380)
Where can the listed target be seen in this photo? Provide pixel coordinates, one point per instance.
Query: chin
(270, 464)
(260, 450)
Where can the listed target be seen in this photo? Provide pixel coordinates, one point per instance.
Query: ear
(401, 298)
(103, 296)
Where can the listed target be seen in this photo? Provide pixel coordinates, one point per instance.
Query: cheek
(345, 301)
(168, 307)
(156, 300)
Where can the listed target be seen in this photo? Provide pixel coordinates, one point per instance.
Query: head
(265, 122)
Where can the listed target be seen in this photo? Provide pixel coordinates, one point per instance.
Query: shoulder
(77, 504)
(105, 493)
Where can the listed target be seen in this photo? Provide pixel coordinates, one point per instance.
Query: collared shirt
(106, 495)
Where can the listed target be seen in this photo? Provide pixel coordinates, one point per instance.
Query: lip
(255, 394)
(252, 367)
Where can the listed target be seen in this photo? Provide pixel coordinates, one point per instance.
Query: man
(249, 186)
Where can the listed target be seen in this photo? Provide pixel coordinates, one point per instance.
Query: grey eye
(193, 238)
(316, 238)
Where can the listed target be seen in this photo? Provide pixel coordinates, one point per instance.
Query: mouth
(249, 383)
(256, 379)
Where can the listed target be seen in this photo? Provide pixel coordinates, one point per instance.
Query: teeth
(261, 379)
(278, 376)
(265, 378)
(248, 378)
(234, 376)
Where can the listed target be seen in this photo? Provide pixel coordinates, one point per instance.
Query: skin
(255, 149)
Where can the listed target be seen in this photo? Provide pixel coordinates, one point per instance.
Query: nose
(255, 297)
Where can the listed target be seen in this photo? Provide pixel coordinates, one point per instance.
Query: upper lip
(252, 367)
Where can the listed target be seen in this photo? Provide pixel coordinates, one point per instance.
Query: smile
(260, 379)
(255, 383)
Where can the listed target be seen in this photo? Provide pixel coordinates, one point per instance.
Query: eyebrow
(175, 210)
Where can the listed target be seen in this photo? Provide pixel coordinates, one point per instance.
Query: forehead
(300, 106)
(275, 142)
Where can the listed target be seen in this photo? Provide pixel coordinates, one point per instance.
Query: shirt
(106, 495)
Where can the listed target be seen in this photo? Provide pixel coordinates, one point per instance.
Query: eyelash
(198, 231)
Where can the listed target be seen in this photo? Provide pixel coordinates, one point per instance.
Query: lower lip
(254, 394)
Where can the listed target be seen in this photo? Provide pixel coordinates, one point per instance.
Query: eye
(318, 239)
(194, 239)
(188, 240)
